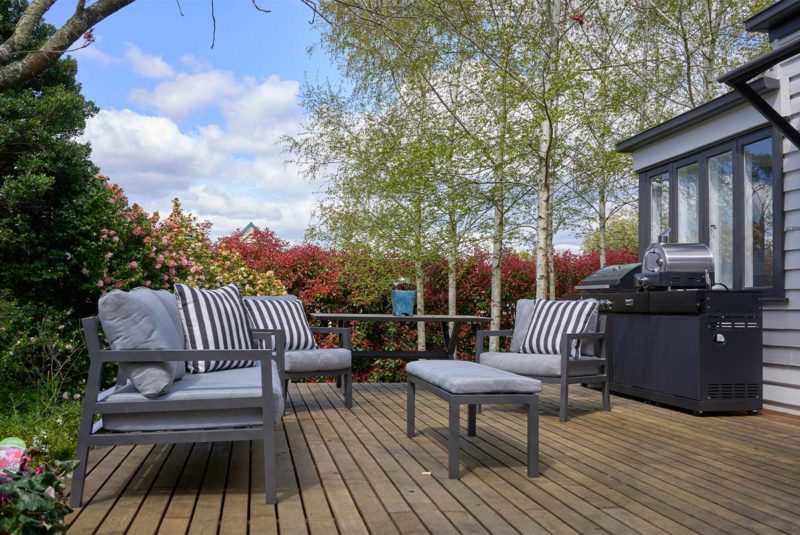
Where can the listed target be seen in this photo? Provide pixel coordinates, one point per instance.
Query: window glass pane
(659, 205)
(688, 194)
(720, 216)
(758, 216)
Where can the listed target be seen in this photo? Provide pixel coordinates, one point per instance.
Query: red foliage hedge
(336, 281)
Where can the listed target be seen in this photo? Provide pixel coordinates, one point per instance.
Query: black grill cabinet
(696, 349)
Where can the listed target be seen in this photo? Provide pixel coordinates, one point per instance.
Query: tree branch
(20, 71)
(24, 28)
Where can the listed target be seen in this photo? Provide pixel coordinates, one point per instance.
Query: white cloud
(195, 64)
(188, 92)
(230, 172)
(147, 65)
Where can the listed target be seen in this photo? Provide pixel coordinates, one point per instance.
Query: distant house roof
(248, 228)
(778, 20)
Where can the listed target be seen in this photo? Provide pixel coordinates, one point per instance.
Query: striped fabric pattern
(285, 314)
(213, 319)
(551, 320)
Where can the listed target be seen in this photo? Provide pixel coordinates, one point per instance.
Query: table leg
(471, 420)
(452, 440)
(533, 437)
(411, 390)
(452, 340)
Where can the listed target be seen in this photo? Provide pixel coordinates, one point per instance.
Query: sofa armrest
(481, 336)
(345, 336)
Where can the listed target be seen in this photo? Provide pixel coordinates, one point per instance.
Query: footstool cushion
(464, 377)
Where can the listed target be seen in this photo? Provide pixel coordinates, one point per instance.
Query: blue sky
(181, 119)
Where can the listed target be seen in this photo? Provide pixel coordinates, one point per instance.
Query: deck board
(639, 469)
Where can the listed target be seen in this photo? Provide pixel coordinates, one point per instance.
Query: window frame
(735, 145)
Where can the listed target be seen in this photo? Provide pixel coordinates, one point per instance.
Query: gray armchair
(562, 369)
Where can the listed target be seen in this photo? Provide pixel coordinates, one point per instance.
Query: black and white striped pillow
(213, 319)
(551, 320)
(285, 314)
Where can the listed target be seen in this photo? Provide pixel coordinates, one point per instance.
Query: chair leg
(79, 475)
(348, 389)
(606, 395)
(270, 462)
(562, 410)
(285, 389)
(339, 381)
(411, 391)
(452, 440)
(533, 437)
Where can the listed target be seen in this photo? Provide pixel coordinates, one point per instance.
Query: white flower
(65, 395)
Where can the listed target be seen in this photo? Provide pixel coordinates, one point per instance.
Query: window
(659, 204)
(720, 216)
(728, 196)
(758, 224)
(688, 193)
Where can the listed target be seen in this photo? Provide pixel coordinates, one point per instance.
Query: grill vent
(733, 322)
(733, 391)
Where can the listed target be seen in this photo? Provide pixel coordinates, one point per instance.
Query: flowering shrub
(32, 499)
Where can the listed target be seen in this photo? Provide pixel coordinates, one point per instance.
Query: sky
(180, 119)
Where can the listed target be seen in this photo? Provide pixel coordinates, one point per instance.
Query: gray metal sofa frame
(564, 379)
(473, 401)
(92, 434)
(344, 377)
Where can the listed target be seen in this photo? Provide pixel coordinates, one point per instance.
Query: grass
(48, 424)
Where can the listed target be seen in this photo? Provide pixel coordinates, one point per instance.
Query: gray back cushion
(170, 303)
(139, 320)
(522, 321)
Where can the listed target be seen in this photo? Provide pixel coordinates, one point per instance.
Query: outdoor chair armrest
(280, 346)
(172, 355)
(481, 336)
(343, 332)
(566, 344)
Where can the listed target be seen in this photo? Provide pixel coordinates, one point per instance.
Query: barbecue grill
(675, 339)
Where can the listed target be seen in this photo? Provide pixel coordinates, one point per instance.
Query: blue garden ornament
(403, 302)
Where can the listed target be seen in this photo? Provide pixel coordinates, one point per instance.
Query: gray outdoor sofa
(223, 406)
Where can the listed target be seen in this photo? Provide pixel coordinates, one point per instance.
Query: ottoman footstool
(461, 382)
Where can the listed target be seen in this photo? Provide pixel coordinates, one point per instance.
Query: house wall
(782, 321)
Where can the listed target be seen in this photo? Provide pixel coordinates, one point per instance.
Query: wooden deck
(638, 469)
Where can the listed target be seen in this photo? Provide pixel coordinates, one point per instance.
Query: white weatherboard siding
(782, 321)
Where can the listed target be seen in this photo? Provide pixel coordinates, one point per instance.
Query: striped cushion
(213, 319)
(285, 314)
(551, 320)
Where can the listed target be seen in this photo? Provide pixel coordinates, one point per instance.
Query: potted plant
(31, 499)
(403, 298)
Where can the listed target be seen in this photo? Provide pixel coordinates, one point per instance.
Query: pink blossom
(24, 462)
(165, 240)
(104, 231)
(109, 255)
(158, 266)
(172, 271)
(137, 231)
(165, 277)
(193, 269)
(118, 284)
(134, 264)
(160, 259)
(147, 283)
(184, 262)
(38, 470)
(107, 280)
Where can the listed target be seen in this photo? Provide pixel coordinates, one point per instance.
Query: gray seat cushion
(236, 383)
(139, 320)
(464, 377)
(313, 360)
(539, 365)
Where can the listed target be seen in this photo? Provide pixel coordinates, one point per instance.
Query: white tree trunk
(498, 229)
(452, 283)
(602, 222)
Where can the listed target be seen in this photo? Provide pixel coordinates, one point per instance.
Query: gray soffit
(778, 20)
(692, 117)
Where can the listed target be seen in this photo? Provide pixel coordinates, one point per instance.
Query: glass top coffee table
(450, 342)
